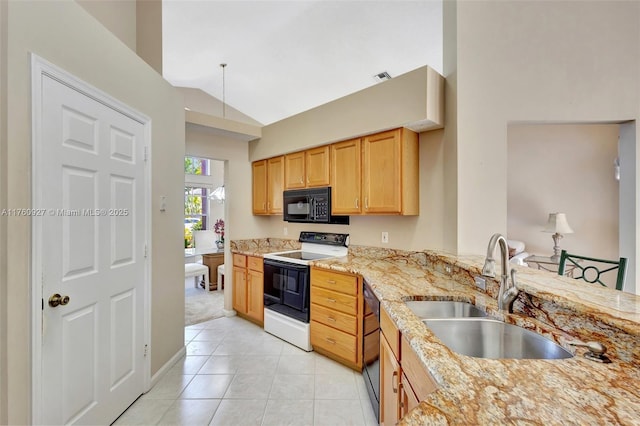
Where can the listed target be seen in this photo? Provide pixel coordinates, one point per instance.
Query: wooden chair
(587, 271)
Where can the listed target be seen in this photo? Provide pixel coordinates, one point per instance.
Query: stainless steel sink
(443, 309)
(487, 338)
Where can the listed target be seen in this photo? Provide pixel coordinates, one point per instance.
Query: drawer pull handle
(331, 300)
(333, 342)
(331, 319)
(331, 281)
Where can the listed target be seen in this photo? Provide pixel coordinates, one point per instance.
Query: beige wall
(119, 17)
(149, 32)
(76, 42)
(531, 61)
(564, 168)
(3, 219)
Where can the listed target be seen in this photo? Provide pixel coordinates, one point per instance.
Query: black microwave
(311, 205)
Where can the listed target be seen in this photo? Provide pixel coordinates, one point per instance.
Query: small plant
(218, 228)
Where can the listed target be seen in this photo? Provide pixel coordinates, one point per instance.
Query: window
(196, 191)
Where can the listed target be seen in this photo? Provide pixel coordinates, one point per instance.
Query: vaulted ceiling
(285, 57)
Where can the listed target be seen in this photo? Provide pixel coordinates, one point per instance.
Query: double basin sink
(467, 330)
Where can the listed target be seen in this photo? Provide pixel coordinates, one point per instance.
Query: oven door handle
(286, 265)
(312, 207)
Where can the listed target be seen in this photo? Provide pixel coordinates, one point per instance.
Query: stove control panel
(328, 238)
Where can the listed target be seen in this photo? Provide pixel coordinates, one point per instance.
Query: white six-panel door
(91, 187)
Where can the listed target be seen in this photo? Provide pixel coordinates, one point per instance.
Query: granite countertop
(485, 391)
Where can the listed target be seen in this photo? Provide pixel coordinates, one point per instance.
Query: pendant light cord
(224, 103)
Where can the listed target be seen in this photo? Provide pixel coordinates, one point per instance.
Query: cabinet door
(346, 171)
(389, 385)
(240, 290)
(294, 170)
(382, 157)
(275, 176)
(408, 400)
(255, 295)
(317, 165)
(260, 187)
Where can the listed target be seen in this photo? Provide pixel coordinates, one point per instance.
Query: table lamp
(559, 226)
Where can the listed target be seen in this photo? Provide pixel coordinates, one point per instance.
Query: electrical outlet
(385, 237)
(285, 231)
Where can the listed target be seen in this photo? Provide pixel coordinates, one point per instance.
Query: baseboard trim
(167, 366)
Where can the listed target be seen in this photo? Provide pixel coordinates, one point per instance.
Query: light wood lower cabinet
(389, 385)
(248, 287)
(336, 316)
(404, 382)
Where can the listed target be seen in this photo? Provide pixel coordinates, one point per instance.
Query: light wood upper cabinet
(317, 162)
(275, 186)
(390, 174)
(307, 169)
(375, 174)
(346, 172)
(294, 170)
(268, 181)
(259, 187)
(378, 174)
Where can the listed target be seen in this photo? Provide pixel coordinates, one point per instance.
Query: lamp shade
(558, 224)
(218, 194)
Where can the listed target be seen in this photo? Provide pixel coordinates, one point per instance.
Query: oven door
(286, 288)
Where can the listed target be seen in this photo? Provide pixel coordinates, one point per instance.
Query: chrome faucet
(507, 293)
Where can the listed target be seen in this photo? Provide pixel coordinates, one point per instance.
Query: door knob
(56, 300)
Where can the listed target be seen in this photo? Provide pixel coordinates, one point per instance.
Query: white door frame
(40, 68)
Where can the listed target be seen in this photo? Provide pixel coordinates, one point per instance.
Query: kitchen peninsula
(485, 391)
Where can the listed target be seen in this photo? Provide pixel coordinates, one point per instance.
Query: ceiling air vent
(383, 76)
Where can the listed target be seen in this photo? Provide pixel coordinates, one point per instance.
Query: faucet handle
(595, 351)
(510, 294)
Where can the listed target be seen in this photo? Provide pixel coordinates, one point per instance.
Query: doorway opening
(204, 237)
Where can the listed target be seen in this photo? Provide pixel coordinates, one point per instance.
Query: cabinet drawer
(239, 260)
(334, 281)
(334, 341)
(334, 300)
(335, 319)
(255, 263)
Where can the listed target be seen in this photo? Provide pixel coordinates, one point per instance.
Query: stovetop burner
(302, 255)
(315, 246)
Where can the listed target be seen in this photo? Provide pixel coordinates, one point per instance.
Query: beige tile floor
(236, 374)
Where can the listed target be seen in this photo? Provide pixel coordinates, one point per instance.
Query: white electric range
(287, 286)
